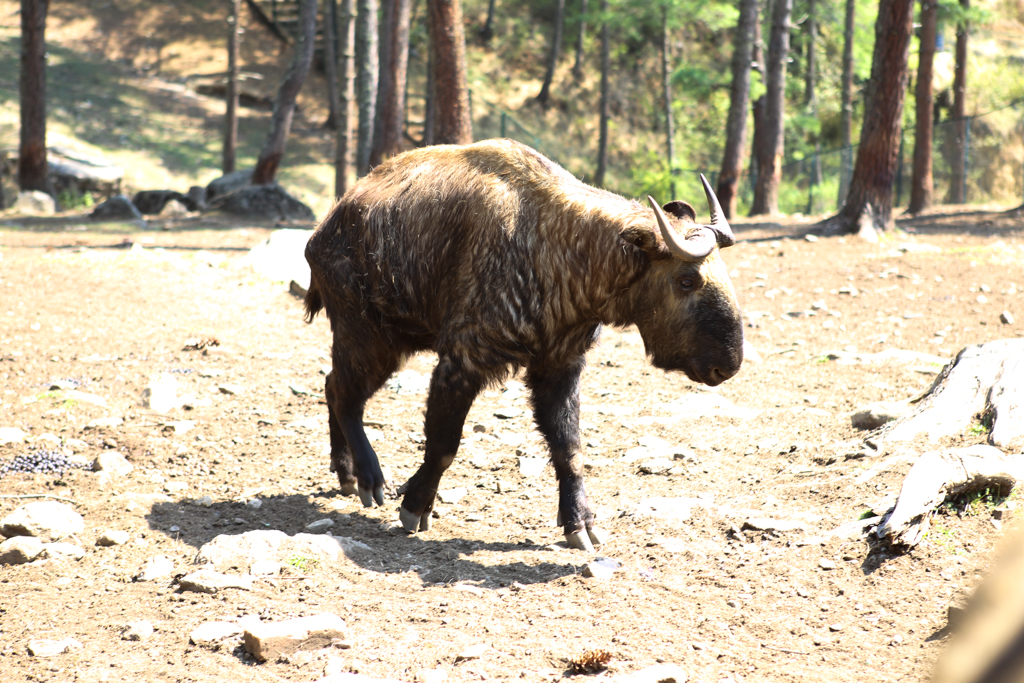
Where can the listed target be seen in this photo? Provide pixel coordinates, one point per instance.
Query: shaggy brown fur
(498, 259)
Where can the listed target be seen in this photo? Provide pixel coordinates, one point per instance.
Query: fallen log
(984, 382)
(938, 474)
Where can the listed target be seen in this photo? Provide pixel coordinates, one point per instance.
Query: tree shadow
(391, 550)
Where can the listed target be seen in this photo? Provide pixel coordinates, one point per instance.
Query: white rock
(20, 550)
(35, 203)
(213, 633)
(104, 423)
(826, 564)
(181, 426)
(47, 520)
(1006, 318)
(209, 581)
(242, 550)
(11, 435)
(137, 630)
(320, 524)
(175, 486)
(874, 415)
(113, 463)
(77, 445)
(205, 501)
(265, 568)
(508, 413)
(113, 537)
(56, 551)
(473, 652)
(531, 467)
(656, 466)
(52, 648)
(601, 568)
(161, 395)
(254, 504)
(156, 567)
(452, 496)
(269, 640)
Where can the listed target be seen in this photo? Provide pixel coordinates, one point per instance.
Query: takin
(499, 260)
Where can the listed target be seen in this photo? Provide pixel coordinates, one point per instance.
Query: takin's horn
(719, 225)
(693, 249)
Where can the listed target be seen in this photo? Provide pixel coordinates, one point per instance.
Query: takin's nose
(718, 375)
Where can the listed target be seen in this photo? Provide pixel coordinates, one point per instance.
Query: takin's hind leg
(349, 386)
(555, 395)
(452, 391)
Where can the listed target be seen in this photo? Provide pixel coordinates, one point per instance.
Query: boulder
(263, 202)
(77, 173)
(265, 544)
(874, 415)
(197, 195)
(35, 203)
(117, 208)
(20, 549)
(152, 202)
(269, 640)
(47, 520)
(227, 184)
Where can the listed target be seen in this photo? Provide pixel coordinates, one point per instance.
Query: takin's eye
(689, 283)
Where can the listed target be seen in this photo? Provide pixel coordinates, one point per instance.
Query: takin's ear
(680, 210)
(640, 238)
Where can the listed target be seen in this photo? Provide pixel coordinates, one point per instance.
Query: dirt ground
(111, 306)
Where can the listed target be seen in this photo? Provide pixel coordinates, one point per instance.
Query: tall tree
(287, 93)
(32, 167)
(769, 155)
(391, 88)
(666, 86)
(366, 80)
(581, 32)
(346, 94)
(846, 107)
(231, 113)
(869, 204)
(958, 167)
(487, 30)
(331, 62)
(602, 143)
(921, 185)
(739, 98)
(448, 43)
(556, 49)
(811, 63)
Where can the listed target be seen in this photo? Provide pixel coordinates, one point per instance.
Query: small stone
(137, 630)
(113, 463)
(230, 389)
(113, 537)
(205, 501)
(265, 568)
(835, 628)
(735, 604)
(209, 581)
(320, 524)
(601, 568)
(896, 640)
(35, 203)
(269, 640)
(254, 504)
(452, 496)
(473, 652)
(531, 467)
(479, 429)
(76, 445)
(20, 550)
(180, 426)
(57, 551)
(656, 466)
(1006, 318)
(157, 567)
(811, 238)
(47, 520)
(508, 413)
(212, 633)
(175, 487)
(52, 648)
(104, 423)
(874, 415)
(161, 395)
(826, 564)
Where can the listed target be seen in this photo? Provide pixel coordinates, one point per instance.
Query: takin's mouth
(710, 376)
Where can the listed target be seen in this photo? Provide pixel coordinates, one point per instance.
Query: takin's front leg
(556, 410)
(352, 456)
(452, 391)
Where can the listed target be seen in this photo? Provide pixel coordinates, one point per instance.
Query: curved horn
(693, 249)
(719, 225)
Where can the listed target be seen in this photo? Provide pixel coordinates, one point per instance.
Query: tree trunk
(454, 125)
(670, 152)
(487, 30)
(921, 185)
(739, 96)
(393, 72)
(331, 62)
(958, 167)
(284, 105)
(556, 48)
(32, 167)
(869, 204)
(769, 155)
(846, 115)
(602, 144)
(366, 80)
(577, 67)
(346, 92)
(231, 112)
(811, 72)
(430, 105)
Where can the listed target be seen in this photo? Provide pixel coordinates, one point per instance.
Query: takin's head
(684, 305)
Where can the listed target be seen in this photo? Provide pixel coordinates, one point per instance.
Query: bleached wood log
(984, 380)
(938, 474)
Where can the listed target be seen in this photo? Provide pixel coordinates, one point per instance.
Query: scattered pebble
(57, 551)
(52, 648)
(319, 524)
(47, 520)
(1006, 318)
(137, 630)
(826, 564)
(113, 463)
(20, 550)
(113, 537)
(452, 496)
(473, 652)
(266, 640)
(601, 568)
(230, 389)
(157, 567)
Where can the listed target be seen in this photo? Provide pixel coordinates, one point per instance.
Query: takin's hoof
(368, 498)
(412, 522)
(349, 489)
(586, 540)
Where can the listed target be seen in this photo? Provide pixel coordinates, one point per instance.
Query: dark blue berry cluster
(39, 461)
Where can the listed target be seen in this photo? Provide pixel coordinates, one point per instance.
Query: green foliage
(70, 200)
(974, 503)
(303, 563)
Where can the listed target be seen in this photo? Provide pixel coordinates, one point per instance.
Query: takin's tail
(314, 302)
